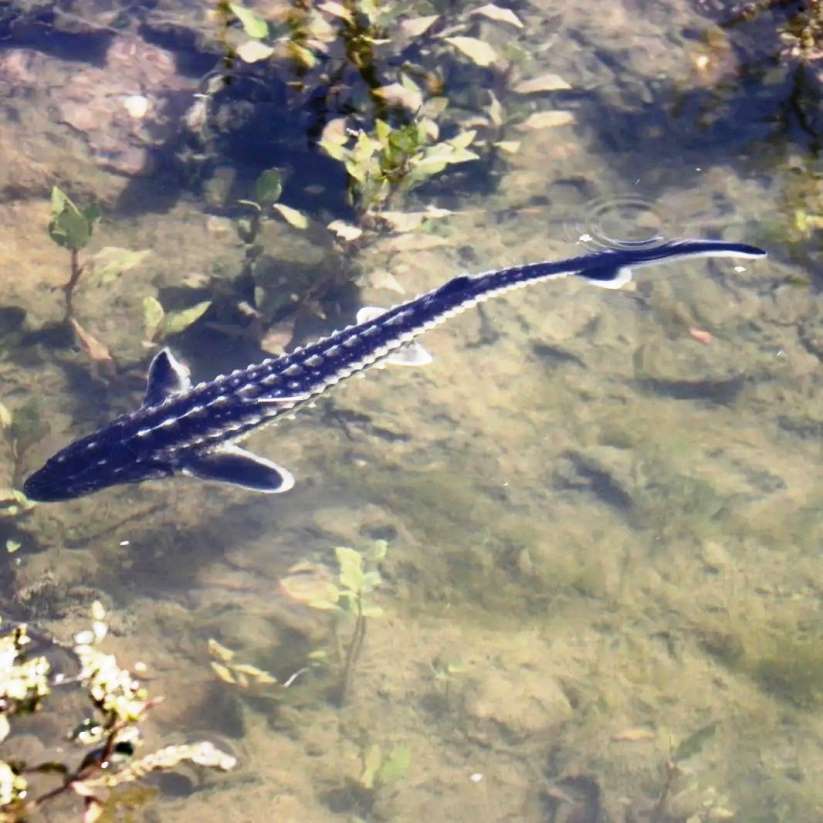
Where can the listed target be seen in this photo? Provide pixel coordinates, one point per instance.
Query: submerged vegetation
(106, 741)
(348, 598)
(388, 92)
(18, 432)
(71, 227)
(349, 131)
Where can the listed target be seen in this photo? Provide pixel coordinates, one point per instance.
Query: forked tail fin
(613, 269)
(607, 269)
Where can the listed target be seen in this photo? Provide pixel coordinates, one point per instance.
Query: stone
(519, 704)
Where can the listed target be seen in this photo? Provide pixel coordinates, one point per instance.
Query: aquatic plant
(17, 432)
(391, 160)
(231, 671)
(107, 739)
(377, 79)
(382, 768)
(71, 227)
(801, 31)
(444, 674)
(349, 599)
(159, 324)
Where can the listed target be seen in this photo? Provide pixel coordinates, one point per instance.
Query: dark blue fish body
(193, 430)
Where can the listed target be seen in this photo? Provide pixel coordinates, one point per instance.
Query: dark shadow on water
(40, 33)
(723, 392)
(257, 124)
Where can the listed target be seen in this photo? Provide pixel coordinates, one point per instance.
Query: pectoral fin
(240, 468)
(167, 377)
(412, 354)
(369, 313)
(607, 277)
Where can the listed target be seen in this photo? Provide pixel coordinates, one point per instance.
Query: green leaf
(110, 262)
(334, 150)
(356, 170)
(427, 167)
(464, 139)
(71, 230)
(371, 765)
(543, 83)
(327, 600)
(694, 742)
(540, 120)
(253, 25)
(371, 9)
(434, 107)
(415, 26)
(218, 650)
(365, 147)
(70, 227)
(378, 551)
(153, 315)
(59, 199)
(476, 50)
(398, 94)
(499, 14)
(253, 51)
(351, 568)
(394, 767)
(268, 188)
(177, 321)
(302, 55)
(293, 217)
(382, 129)
(345, 231)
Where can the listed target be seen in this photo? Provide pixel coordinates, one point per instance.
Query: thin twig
(355, 645)
(68, 289)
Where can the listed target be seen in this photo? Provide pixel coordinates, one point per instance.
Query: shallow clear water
(601, 598)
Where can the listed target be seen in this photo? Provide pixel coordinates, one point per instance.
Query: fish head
(88, 465)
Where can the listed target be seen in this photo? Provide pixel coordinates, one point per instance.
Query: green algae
(792, 669)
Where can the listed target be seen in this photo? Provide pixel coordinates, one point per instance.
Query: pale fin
(167, 377)
(239, 467)
(412, 354)
(369, 313)
(607, 277)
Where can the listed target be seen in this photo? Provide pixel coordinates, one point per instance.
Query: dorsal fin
(167, 377)
(369, 313)
(455, 286)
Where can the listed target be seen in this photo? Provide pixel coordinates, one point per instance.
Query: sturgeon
(195, 430)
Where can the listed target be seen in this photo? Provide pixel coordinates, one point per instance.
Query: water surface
(601, 595)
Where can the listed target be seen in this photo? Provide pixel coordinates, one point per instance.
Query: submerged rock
(516, 704)
(125, 109)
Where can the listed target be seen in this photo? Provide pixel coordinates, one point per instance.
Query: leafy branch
(111, 735)
(71, 227)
